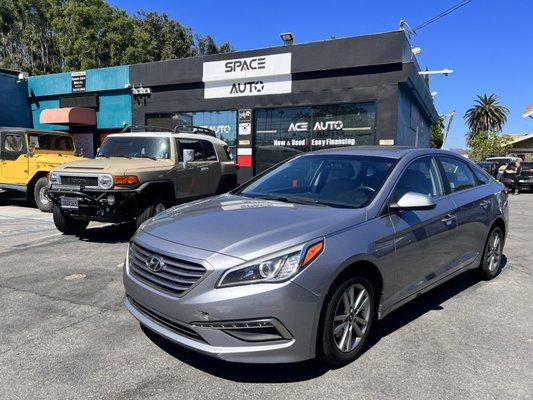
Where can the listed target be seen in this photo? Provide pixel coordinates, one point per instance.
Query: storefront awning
(68, 116)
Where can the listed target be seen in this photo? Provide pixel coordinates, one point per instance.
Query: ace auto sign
(251, 76)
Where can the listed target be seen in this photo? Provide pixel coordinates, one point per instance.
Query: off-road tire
(154, 208)
(68, 225)
(486, 271)
(40, 193)
(327, 348)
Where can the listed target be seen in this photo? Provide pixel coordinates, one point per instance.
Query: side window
(422, 176)
(458, 173)
(481, 176)
(210, 154)
(12, 146)
(191, 144)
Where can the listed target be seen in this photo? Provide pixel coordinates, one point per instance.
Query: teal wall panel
(107, 78)
(96, 80)
(49, 85)
(114, 109)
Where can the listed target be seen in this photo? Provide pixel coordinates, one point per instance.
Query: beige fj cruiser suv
(136, 175)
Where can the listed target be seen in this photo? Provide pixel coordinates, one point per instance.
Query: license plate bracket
(70, 203)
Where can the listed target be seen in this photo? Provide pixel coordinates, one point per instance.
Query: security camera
(22, 77)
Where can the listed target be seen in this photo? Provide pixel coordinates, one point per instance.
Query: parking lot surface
(65, 335)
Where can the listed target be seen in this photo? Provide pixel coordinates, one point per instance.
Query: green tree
(26, 37)
(206, 45)
(43, 36)
(436, 139)
(490, 144)
(485, 116)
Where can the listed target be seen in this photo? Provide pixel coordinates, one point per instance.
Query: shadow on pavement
(115, 233)
(15, 199)
(296, 372)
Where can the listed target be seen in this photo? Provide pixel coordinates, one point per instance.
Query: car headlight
(105, 181)
(274, 269)
(53, 177)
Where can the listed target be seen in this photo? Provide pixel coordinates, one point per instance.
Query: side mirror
(187, 156)
(413, 201)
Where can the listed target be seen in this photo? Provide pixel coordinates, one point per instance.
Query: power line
(441, 15)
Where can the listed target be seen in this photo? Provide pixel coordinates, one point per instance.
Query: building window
(224, 123)
(283, 132)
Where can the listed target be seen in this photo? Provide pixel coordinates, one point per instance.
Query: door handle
(484, 204)
(204, 169)
(448, 219)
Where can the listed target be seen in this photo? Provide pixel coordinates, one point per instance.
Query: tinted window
(191, 144)
(482, 176)
(338, 181)
(458, 173)
(210, 154)
(135, 147)
(46, 141)
(422, 176)
(284, 132)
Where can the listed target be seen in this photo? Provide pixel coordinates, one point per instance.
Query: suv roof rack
(144, 128)
(194, 129)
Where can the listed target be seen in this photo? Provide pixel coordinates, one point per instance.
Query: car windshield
(330, 180)
(49, 141)
(136, 147)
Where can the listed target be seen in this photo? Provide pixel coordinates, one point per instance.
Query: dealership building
(267, 104)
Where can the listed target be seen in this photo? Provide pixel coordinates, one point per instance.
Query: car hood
(117, 166)
(248, 228)
(55, 159)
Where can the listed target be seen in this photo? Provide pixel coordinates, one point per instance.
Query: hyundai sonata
(300, 261)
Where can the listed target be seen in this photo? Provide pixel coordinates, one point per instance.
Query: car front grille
(175, 276)
(180, 329)
(79, 180)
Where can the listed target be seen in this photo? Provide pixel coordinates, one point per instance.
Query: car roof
(181, 135)
(21, 129)
(395, 152)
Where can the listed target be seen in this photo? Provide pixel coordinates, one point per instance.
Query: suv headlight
(53, 177)
(273, 269)
(105, 181)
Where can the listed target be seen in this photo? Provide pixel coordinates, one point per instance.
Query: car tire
(68, 225)
(40, 195)
(340, 322)
(491, 261)
(151, 211)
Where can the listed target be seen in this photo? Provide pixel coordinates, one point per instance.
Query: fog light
(110, 199)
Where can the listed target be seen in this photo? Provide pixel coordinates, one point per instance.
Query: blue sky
(487, 42)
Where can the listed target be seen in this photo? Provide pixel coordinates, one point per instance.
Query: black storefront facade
(270, 104)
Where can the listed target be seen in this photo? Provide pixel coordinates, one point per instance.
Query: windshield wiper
(144, 156)
(121, 155)
(295, 200)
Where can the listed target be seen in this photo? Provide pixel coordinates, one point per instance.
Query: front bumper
(93, 204)
(293, 310)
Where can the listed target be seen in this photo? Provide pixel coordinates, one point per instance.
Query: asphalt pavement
(65, 335)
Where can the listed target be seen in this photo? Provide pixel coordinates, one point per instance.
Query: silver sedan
(300, 261)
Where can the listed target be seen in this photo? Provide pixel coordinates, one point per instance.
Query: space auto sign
(251, 76)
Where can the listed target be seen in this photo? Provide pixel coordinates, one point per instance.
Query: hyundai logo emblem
(154, 264)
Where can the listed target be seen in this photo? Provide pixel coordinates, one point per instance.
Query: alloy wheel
(351, 318)
(494, 251)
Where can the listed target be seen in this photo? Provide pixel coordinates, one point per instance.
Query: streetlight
(287, 37)
(444, 72)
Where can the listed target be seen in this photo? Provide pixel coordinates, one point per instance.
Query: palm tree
(486, 115)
